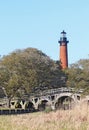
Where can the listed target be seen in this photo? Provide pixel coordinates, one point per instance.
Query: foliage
(78, 75)
(24, 71)
(48, 109)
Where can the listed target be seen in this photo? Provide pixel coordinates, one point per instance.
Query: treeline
(78, 75)
(30, 70)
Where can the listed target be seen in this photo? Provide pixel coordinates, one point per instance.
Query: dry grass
(77, 119)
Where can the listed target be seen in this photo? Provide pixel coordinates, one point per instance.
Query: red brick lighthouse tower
(63, 50)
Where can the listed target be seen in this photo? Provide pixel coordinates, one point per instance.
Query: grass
(76, 119)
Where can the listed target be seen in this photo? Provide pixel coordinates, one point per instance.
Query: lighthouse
(63, 50)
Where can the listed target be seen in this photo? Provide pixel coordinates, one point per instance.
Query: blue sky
(38, 23)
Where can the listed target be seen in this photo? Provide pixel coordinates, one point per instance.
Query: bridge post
(23, 104)
(35, 103)
(13, 104)
(53, 106)
(36, 106)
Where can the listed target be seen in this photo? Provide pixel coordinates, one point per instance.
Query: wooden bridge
(59, 98)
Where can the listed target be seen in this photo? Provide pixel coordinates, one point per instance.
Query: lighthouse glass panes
(63, 34)
(63, 37)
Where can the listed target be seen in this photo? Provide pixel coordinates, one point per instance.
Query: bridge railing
(56, 90)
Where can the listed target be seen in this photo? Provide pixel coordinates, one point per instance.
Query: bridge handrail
(57, 90)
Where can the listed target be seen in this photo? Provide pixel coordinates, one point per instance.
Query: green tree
(24, 71)
(78, 75)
